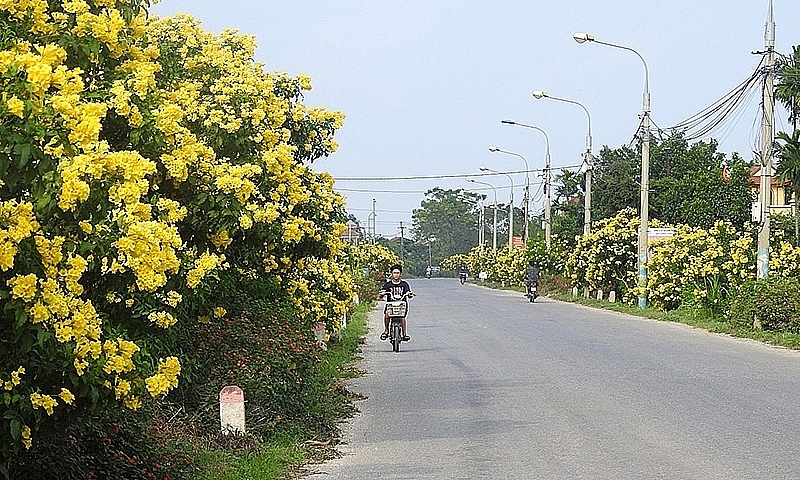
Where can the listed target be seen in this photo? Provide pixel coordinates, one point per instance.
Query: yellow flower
(162, 319)
(15, 106)
(15, 380)
(23, 287)
(26, 436)
(174, 298)
(67, 396)
(44, 401)
(219, 312)
(134, 403)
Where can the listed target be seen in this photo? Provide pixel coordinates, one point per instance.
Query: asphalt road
(491, 386)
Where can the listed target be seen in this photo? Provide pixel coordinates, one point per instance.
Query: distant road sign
(654, 234)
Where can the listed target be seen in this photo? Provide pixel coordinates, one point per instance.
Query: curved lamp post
(494, 228)
(588, 159)
(587, 37)
(526, 197)
(510, 206)
(546, 177)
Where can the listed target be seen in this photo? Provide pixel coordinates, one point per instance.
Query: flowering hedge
(695, 266)
(141, 158)
(508, 267)
(606, 258)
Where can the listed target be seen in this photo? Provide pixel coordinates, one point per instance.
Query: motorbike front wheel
(397, 337)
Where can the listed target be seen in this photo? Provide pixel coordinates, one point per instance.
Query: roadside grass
(275, 458)
(705, 320)
(284, 455)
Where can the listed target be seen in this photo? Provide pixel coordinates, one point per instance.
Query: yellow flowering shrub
(146, 158)
(606, 259)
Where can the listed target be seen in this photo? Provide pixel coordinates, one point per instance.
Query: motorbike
(532, 291)
(462, 277)
(427, 274)
(397, 308)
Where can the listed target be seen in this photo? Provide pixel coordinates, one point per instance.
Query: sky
(424, 84)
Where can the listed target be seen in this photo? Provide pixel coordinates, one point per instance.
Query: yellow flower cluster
(220, 146)
(166, 379)
(204, 265)
(17, 223)
(607, 258)
(119, 355)
(43, 401)
(162, 319)
(15, 379)
(149, 249)
(127, 171)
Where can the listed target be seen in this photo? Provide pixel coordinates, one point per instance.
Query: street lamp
(546, 177)
(588, 159)
(510, 206)
(494, 228)
(527, 197)
(587, 37)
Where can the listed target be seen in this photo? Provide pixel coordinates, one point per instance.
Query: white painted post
(599, 293)
(231, 410)
(612, 296)
(319, 334)
(586, 292)
(574, 291)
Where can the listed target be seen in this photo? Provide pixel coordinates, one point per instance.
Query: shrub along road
(492, 386)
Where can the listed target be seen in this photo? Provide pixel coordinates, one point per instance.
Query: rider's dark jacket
(531, 275)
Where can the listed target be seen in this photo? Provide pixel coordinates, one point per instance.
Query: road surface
(491, 386)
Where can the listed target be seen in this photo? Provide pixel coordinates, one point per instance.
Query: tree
(568, 206)
(449, 216)
(689, 184)
(696, 185)
(787, 86)
(787, 150)
(614, 181)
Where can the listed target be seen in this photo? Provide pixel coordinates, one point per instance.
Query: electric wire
(710, 119)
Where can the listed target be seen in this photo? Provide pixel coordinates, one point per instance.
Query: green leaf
(26, 344)
(23, 150)
(42, 336)
(16, 429)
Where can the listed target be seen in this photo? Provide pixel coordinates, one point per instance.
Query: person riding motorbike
(462, 274)
(531, 277)
(428, 271)
(395, 288)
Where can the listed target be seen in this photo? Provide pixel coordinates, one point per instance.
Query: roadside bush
(698, 268)
(769, 304)
(607, 258)
(117, 445)
(141, 159)
(266, 351)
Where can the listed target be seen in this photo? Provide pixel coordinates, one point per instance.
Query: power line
(438, 177)
(708, 120)
(430, 177)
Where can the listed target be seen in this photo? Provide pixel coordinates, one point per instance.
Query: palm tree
(787, 88)
(787, 151)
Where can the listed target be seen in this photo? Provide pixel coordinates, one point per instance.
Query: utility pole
(767, 133)
(374, 223)
(402, 251)
(547, 203)
(481, 222)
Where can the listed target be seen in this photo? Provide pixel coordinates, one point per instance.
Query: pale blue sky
(425, 84)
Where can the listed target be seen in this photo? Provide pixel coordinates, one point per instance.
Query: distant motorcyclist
(462, 274)
(531, 276)
(428, 271)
